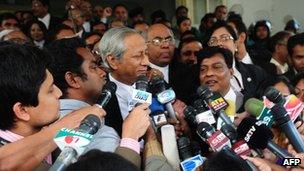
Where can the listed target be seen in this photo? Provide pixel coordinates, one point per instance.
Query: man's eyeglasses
(223, 38)
(160, 41)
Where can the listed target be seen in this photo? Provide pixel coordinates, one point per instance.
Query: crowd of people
(53, 72)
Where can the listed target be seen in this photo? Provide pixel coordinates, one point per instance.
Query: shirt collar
(283, 68)
(247, 59)
(10, 136)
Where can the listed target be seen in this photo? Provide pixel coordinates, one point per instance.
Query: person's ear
(113, 62)
(242, 37)
(72, 79)
(21, 112)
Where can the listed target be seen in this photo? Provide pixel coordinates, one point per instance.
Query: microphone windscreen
(254, 107)
(142, 83)
(254, 132)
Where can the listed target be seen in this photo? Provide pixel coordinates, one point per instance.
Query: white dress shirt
(163, 70)
(236, 80)
(247, 59)
(46, 20)
(87, 26)
(282, 68)
(39, 44)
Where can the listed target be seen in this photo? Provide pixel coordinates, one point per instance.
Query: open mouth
(211, 83)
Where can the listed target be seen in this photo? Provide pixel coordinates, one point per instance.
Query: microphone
(189, 163)
(72, 143)
(258, 136)
(219, 142)
(291, 103)
(170, 146)
(140, 94)
(157, 114)
(239, 147)
(164, 96)
(184, 148)
(216, 139)
(106, 94)
(257, 109)
(203, 113)
(282, 119)
(215, 102)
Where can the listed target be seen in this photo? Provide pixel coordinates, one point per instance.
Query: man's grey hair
(112, 43)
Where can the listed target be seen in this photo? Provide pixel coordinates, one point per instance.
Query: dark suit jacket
(54, 22)
(113, 117)
(184, 81)
(254, 78)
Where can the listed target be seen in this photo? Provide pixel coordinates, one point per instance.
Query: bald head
(153, 29)
(161, 45)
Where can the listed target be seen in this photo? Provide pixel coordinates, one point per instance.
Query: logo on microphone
(166, 96)
(218, 103)
(192, 163)
(139, 96)
(218, 140)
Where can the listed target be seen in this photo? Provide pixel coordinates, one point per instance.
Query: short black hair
(22, 71)
(239, 25)
(40, 24)
(6, 16)
(186, 41)
(53, 34)
(276, 39)
(223, 161)
(44, 2)
(217, 25)
(293, 41)
(66, 58)
(158, 15)
(180, 8)
(136, 11)
(119, 5)
(95, 160)
(181, 19)
(211, 51)
(187, 33)
(298, 77)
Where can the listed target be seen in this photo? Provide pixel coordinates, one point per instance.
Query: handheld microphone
(170, 146)
(157, 114)
(239, 147)
(106, 94)
(216, 139)
(219, 142)
(184, 148)
(190, 113)
(257, 109)
(282, 119)
(204, 114)
(215, 102)
(140, 94)
(88, 127)
(164, 96)
(189, 162)
(291, 103)
(258, 136)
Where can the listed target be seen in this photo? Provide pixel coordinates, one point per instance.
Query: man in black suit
(161, 45)
(295, 47)
(40, 9)
(123, 51)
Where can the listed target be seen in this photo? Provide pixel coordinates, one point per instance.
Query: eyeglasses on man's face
(223, 39)
(157, 41)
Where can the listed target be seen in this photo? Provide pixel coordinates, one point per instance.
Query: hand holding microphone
(137, 122)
